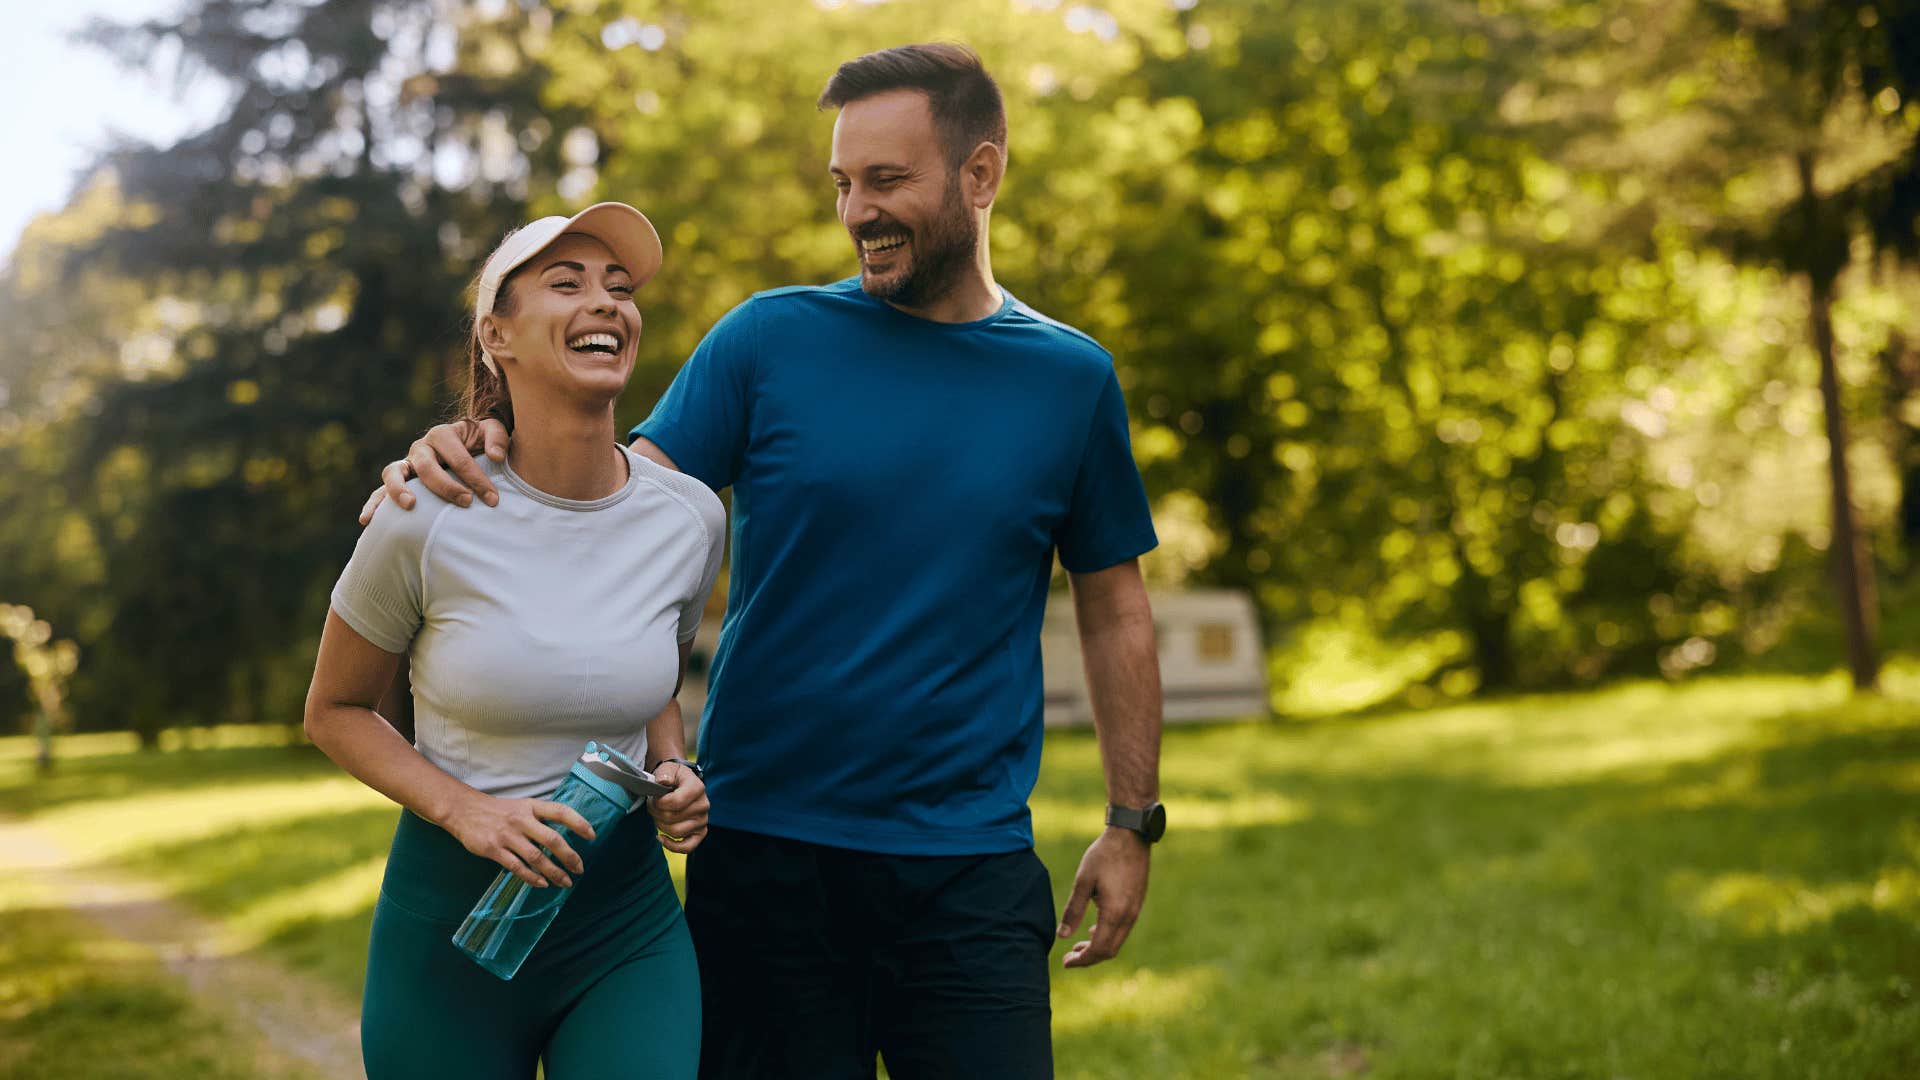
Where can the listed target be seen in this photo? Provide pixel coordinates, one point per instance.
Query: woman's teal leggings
(611, 991)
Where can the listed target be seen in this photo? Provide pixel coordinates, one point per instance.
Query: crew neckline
(579, 505)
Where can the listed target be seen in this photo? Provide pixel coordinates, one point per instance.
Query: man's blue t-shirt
(899, 489)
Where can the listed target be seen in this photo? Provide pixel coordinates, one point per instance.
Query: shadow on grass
(222, 872)
(74, 1008)
(1753, 914)
(309, 874)
(117, 776)
(331, 949)
(1452, 907)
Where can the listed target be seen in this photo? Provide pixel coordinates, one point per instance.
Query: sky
(64, 100)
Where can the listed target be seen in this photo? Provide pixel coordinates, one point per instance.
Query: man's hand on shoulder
(443, 460)
(1113, 875)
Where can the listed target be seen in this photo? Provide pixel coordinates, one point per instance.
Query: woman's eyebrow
(581, 269)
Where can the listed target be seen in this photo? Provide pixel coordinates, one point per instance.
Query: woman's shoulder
(395, 545)
(697, 497)
(416, 522)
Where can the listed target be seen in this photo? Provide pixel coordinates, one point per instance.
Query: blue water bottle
(504, 926)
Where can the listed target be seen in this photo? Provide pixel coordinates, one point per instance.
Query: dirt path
(299, 1020)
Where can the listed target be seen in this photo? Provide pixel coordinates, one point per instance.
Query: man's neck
(973, 296)
(567, 453)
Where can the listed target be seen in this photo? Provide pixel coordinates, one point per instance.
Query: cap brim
(626, 232)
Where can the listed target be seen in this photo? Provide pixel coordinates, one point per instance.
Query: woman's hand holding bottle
(680, 817)
(511, 832)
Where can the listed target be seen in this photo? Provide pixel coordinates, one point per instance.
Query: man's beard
(940, 253)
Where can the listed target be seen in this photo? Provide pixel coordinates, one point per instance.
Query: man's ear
(493, 336)
(982, 172)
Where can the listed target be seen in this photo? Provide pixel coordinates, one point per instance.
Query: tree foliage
(1434, 317)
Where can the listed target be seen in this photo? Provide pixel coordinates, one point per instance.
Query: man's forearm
(1123, 683)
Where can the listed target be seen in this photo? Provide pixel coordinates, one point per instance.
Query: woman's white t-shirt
(540, 623)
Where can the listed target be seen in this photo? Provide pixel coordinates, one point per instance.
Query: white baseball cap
(626, 232)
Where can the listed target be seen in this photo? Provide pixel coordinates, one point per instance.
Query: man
(907, 450)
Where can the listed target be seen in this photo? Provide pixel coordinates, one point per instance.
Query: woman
(533, 625)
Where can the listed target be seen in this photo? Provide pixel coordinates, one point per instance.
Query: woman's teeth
(595, 343)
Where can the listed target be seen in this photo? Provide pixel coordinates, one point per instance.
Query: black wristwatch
(691, 767)
(1149, 821)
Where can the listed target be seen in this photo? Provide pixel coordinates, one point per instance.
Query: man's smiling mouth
(880, 245)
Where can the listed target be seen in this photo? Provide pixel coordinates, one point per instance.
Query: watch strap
(1148, 822)
(1127, 817)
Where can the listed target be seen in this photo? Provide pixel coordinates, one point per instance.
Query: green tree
(1408, 298)
(1386, 338)
(1797, 142)
(306, 253)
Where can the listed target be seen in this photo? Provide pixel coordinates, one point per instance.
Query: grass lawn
(1720, 879)
(73, 1007)
(76, 1005)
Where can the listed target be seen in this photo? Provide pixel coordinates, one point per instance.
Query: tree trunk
(1910, 511)
(43, 740)
(1897, 367)
(1489, 623)
(1852, 561)
(1492, 633)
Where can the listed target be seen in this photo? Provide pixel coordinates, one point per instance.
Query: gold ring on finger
(670, 836)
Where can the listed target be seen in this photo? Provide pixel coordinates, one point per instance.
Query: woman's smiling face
(571, 326)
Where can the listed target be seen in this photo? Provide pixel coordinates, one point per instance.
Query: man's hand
(1112, 874)
(444, 447)
(680, 816)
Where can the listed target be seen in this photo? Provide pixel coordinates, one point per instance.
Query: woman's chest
(565, 635)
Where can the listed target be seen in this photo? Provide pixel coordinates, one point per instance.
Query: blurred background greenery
(1496, 348)
(1483, 343)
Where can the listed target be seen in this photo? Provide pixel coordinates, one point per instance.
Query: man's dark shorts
(814, 959)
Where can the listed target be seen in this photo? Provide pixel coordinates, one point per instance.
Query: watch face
(1156, 823)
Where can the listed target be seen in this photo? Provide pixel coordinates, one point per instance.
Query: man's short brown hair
(967, 110)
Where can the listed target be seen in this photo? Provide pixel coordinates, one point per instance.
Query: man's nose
(859, 210)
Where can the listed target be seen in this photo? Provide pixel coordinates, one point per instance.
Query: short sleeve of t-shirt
(701, 421)
(382, 592)
(713, 521)
(696, 604)
(1108, 520)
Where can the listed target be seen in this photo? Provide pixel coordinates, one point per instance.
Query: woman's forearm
(360, 741)
(667, 731)
(666, 735)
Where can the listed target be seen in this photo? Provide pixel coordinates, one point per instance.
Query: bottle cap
(611, 765)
